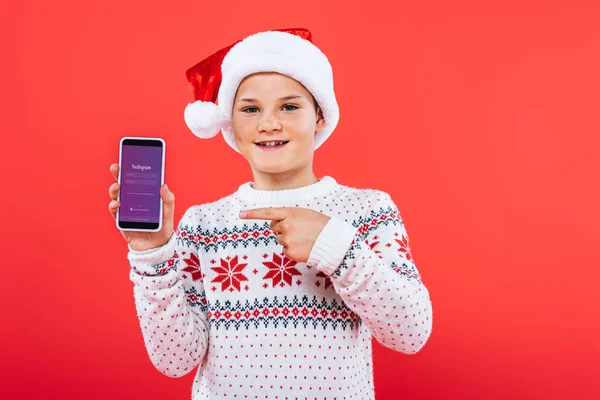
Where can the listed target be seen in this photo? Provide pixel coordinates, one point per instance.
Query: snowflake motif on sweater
(281, 270)
(221, 296)
(230, 274)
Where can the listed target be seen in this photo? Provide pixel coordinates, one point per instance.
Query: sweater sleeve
(170, 301)
(371, 268)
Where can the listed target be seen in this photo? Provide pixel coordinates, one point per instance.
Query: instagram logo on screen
(140, 184)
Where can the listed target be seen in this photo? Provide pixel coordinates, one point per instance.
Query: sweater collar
(286, 196)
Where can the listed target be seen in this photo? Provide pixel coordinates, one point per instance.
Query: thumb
(168, 198)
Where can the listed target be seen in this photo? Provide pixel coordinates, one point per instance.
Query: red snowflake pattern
(193, 267)
(230, 274)
(404, 247)
(281, 270)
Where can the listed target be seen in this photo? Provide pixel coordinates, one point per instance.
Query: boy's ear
(320, 120)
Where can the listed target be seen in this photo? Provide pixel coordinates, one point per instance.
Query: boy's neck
(283, 181)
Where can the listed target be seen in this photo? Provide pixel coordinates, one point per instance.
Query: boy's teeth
(271, 143)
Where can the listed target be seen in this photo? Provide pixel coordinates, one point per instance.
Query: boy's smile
(270, 145)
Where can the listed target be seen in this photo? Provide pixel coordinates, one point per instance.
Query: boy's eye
(287, 107)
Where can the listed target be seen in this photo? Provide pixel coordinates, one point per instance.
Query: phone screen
(141, 169)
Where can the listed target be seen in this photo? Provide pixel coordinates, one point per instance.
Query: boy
(275, 290)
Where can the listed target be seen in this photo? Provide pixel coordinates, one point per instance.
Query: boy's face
(271, 107)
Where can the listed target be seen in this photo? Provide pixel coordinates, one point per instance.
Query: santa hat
(287, 51)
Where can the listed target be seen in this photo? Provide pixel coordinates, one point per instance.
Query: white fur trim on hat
(287, 54)
(204, 118)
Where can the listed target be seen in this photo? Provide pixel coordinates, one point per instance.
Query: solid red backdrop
(480, 120)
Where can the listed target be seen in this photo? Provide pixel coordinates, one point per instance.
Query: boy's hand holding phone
(139, 240)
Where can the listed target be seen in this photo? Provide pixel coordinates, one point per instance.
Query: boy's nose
(268, 122)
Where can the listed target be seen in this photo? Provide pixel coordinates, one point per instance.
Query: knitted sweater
(221, 295)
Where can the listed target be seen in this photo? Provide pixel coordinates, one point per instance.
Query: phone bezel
(141, 226)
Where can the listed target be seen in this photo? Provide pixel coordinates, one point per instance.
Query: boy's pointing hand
(296, 228)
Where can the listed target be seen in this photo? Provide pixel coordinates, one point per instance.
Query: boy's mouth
(272, 145)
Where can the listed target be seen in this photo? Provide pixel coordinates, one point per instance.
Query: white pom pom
(204, 118)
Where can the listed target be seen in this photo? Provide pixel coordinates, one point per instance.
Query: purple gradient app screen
(140, 184)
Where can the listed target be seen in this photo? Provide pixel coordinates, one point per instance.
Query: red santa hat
(290, 52)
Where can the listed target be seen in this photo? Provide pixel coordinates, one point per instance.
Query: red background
(481, 121)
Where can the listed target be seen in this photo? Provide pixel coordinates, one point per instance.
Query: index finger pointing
(270, 213)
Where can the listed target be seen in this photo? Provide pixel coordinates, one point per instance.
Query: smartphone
(141, 174)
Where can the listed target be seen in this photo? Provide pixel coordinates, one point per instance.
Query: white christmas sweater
(221, 296)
